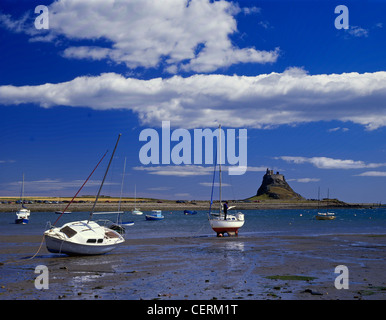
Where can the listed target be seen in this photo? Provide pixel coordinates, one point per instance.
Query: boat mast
(135, 196)
(318, 197)
(219, 140)
(22, 192)
(123, 177)
(100, 188)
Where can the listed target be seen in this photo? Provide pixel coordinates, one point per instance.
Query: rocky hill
(274, 186)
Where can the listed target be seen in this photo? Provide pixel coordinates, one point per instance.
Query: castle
(276, 175)
(275, 186)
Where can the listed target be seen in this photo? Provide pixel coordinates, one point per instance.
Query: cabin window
(94, 240)
(68, 231)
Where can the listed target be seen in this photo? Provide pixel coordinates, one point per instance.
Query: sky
(311, 95)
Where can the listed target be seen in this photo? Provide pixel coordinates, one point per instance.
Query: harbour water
(258, 222)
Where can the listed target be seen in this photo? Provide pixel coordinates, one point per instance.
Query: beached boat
(23, 214)
(224, 223)
(188, 212)
(155, 215)
(84, 237)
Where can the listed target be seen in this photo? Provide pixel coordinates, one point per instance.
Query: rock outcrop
(275, 187)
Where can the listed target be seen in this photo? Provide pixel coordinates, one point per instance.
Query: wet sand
(204, 268)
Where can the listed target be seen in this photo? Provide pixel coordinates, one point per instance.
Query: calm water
(258, 222)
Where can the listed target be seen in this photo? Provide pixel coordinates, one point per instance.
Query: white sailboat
(119, 225)
(324, 215)
(136, 211)
(22, 215)
(84, 237)
(223, 223)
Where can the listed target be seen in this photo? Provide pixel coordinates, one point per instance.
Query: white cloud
(330, 163)
(16, 25)
(188, 170)
(216, 184)
(7, 161)
(180, 35)
(251, 10)
(55, 184)
(160, 188)
(179, 171)
(358, 32)
(262, 101)
(185, 194)
(305, 180)
(338, 129)
(372, 174)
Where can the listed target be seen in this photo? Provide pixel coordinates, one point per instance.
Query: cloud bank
(330, 163)
(192, 36)
(262, 101)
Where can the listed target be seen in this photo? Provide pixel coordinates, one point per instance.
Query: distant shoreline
(173, 206)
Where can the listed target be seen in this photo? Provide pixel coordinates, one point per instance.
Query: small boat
(155, 215)
(187, 212)
(230, 225)
(64, 212)
(325, 216)
(128, 223)
(119, 226)
(136, 210)
(84, 237)
(223, 223)
(22, 215)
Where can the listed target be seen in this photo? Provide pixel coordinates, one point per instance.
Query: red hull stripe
(225, 229)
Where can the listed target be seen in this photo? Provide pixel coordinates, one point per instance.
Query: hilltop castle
(275, 187)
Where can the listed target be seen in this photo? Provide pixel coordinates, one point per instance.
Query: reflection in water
(234, 245)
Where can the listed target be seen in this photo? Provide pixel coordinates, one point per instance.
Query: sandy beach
(204, 268)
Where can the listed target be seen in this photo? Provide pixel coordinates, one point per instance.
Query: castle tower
(275, 187)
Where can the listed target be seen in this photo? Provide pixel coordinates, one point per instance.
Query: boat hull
(188, 212)
(74, 249)
(150, 217)
(136, 212)
(82, 238)
(325, 217)
(22, 216)
(21, 221)
(129, 223)
(230, 226)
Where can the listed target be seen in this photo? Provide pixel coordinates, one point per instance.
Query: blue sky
(312, 97)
